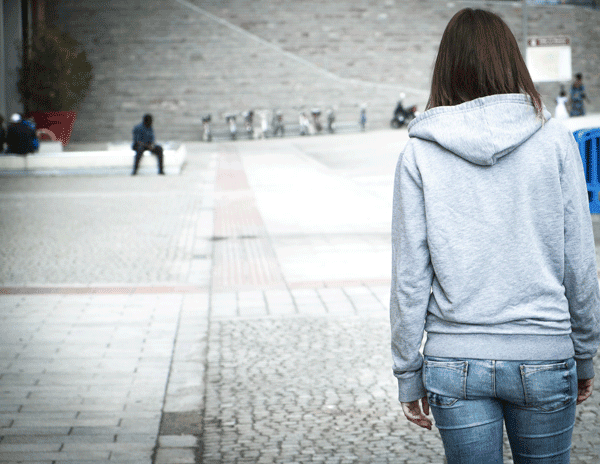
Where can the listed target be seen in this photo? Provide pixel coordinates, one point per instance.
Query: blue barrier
(589, 149)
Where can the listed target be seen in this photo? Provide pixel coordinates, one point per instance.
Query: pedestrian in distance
(363, 118)
(578, 96)
(143, 139)
(493, 258)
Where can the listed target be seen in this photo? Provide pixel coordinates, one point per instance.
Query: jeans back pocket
(549, 386)
(445, 381)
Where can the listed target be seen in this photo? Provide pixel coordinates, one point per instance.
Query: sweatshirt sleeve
(411, 278)
(581, 278)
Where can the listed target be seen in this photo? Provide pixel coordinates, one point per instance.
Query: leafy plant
(56, 74)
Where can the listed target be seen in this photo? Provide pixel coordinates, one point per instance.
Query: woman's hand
(584, 389)
(413, 413)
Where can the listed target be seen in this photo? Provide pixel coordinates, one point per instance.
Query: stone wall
(181, 59)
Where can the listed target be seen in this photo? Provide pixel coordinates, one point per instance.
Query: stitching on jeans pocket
(547, 387)
(445, 381)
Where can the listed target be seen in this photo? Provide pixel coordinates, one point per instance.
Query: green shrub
(56, 74)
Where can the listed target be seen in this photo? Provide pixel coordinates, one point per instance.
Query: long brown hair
(479, 56)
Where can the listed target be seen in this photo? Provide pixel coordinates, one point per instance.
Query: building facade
(183, 59)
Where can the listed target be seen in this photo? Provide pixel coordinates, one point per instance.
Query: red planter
(60, 123)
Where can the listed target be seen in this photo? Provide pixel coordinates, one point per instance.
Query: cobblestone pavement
(236, 313)
(87, 230)
(318, 389)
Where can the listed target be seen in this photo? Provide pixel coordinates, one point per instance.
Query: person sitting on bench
(143, 139)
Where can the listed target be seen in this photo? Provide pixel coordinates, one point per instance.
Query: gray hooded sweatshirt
(492, 245)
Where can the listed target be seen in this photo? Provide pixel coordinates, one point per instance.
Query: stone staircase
(182, 59)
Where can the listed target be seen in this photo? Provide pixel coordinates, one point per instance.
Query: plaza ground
(236, 313)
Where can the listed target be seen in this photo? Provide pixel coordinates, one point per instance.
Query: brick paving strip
(101, 290)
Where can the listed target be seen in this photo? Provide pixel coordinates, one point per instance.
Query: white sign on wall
(549, 59)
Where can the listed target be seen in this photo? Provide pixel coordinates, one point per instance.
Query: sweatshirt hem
(500, 347)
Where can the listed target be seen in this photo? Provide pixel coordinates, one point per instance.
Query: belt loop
(494, 377)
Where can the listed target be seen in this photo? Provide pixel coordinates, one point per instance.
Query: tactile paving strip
(243, 254)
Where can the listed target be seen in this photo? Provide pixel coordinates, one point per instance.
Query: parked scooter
(330, 120)
(316, 116)
(249, 123)
(263, 131)
(230, 120)
(402, 115)
(206, 134)
(277, 123)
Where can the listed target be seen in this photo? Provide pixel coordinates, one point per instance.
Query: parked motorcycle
(277, 123)
(402, 115)
(249, 123)
(316, 120)
(330, 120)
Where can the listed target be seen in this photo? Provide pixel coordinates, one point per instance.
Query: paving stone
(29, 447)
(177, 441)
(175, 456)
(77, 456)
(111, 461)
(29, 462)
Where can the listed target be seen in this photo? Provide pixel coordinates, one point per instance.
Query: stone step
(182, 59)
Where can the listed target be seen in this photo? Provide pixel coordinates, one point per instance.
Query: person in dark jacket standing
(143, 139)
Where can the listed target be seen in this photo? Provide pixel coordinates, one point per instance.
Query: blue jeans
(471, 398)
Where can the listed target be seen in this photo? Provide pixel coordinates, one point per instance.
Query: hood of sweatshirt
(481, 130)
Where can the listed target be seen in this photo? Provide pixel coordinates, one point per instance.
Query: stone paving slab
(103, 378)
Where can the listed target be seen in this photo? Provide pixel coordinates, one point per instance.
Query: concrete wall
(10, 38)
(180, 59)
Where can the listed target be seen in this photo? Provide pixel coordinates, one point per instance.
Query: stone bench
(116, 159)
